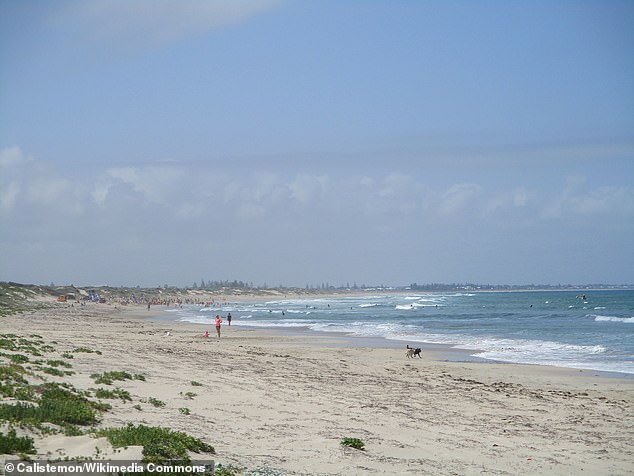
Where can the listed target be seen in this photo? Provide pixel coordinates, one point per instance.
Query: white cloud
(502, 201)
(12, 156)
(306, 188)
(575, 200)
(458, 198)
(157, 184)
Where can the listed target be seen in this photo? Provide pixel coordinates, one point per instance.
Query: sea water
(558, 328)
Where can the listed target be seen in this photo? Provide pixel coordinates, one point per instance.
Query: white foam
(629, 320)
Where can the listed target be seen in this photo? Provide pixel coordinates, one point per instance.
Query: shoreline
(442, 352)
(286, 402)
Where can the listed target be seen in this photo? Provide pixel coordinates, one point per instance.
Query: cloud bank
(220, 210)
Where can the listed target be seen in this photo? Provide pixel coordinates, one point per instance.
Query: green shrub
(107, 378)
(196, 384)
(6, 342)
(19, 359)
(24, 393)
(184, 411)
(11, 444)
(56, 405)
(221, 470)
(353, 443)
(86, 350)
(63, 406)
(159, 444)
(116, 393)
(56, 372)
(12, 373)
(59, 363)
(156, 402)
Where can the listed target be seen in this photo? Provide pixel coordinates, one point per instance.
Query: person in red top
(218, 322)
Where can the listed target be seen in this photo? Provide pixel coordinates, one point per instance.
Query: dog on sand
(412, 352)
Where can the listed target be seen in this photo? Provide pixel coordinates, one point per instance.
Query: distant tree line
(235, 284)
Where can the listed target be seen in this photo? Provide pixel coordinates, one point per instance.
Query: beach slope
(286, 402)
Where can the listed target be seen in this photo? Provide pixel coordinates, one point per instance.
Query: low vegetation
(156, 402)
(116, 393)
(31, 401)
(107, 378)
(11, 444)
(355, 443)
(86, 350)
(159, 444)
(58, 404)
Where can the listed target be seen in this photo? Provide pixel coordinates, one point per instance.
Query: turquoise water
(547, 327)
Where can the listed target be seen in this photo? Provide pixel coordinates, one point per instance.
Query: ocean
(558, 328)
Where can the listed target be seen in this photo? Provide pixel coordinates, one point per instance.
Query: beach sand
(287, 401)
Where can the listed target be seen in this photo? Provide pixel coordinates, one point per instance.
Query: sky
(294, 143)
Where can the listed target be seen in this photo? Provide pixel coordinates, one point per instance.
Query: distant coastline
(16, 297)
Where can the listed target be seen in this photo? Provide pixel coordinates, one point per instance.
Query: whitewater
(558, 328)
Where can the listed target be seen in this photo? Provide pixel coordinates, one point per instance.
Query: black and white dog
(411, 352)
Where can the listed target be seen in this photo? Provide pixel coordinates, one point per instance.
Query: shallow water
(546, 327)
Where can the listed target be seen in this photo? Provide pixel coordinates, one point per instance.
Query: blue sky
(295, 142)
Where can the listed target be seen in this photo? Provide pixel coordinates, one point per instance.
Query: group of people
(218, 324)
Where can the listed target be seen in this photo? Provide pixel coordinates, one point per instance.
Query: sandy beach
(286, 402)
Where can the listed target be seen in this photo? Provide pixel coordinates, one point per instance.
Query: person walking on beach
(229, 318)
(218, 322)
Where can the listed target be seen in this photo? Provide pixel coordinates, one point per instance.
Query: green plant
(11, 444)
(56, 405)
(107, 378)
(116, 393)
(159, 444)
(156, 402)
(56, 372)
(184, 411)
(12, 373)
(24, 393)
(86, 350)
(19, 359)
(59, 363)
(196, 384)
(221, 470)
(353, 443)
